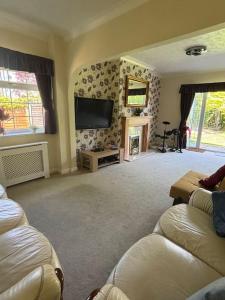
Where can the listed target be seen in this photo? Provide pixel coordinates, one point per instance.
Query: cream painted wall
(57, 50)
(20, 42)
(57, 145)
(154, 22)
(169, 107)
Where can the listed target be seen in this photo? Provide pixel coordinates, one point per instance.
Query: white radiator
(21, 163)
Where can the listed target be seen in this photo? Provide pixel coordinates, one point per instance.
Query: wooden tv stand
(95, 160)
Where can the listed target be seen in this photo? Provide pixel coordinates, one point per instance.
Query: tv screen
(92, 113)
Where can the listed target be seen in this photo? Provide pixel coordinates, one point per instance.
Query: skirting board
(63, 171)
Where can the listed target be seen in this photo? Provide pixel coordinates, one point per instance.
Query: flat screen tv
(93, 113)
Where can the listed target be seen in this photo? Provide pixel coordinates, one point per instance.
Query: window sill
(22, 135)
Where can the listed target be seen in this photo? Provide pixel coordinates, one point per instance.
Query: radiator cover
(21, 163)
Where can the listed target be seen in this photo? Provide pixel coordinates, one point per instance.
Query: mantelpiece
(143, 122)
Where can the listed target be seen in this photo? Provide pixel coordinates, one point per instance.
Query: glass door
(194, 121)
(213, 129)
(207, 122)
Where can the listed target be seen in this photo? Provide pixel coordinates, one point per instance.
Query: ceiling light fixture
(196, 50)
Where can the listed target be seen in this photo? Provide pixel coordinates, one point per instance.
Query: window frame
(6, 84)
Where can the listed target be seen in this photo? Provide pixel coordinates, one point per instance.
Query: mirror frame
(130, 77)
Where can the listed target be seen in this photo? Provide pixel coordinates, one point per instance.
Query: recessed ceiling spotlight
(196, 50)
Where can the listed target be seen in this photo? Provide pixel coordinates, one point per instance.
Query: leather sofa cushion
(202, 199)
(41, 284)
(110, 292)
(155, 268)
(186, 185)
(192, 229)
(11, 215)
(21, 251)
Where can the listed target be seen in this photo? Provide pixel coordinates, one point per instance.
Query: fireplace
(135, 135)
(134, 145)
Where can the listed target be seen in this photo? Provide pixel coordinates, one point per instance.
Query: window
(21, 102)
(207, 121)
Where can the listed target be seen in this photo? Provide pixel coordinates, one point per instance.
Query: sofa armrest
(202, 199)
(110, 292)
(40, 284)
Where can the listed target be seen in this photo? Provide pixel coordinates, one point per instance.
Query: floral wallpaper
(106, 80)
(98, 81)
(128, 68)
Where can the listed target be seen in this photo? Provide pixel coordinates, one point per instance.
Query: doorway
(207, 122)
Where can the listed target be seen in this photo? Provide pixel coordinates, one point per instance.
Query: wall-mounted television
(93, 113)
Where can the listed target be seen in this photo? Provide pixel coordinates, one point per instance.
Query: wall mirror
(136, 92)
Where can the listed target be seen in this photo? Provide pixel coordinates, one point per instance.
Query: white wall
(58, 144)
(169, 104)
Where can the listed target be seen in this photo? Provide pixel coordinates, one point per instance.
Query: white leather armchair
(29, 266)
(41, 284)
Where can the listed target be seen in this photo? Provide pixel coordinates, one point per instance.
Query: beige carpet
(93, 218)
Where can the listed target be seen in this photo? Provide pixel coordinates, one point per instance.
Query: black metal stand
(164, 137)
(175, 134)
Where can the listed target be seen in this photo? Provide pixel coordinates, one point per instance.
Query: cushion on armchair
(218, 199)
(11, 215)
(22, 250)
(202, 199)
(211, 181)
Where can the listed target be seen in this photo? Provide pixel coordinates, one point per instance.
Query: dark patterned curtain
(203, 87)
(187, 99)
(187, 92)
(43, 68)
(44, 83)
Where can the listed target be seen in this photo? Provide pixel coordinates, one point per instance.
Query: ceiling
(171, 58)
(66, 17)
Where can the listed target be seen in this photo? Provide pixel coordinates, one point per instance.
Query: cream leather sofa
(29, 267)
(183, 255)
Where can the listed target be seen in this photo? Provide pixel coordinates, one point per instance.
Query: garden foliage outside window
(20, 103)
(26, 93)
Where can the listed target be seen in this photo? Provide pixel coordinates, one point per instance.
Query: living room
(94, 149)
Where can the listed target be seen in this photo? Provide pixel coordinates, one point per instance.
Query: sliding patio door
(207, 121)
(195, 120)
